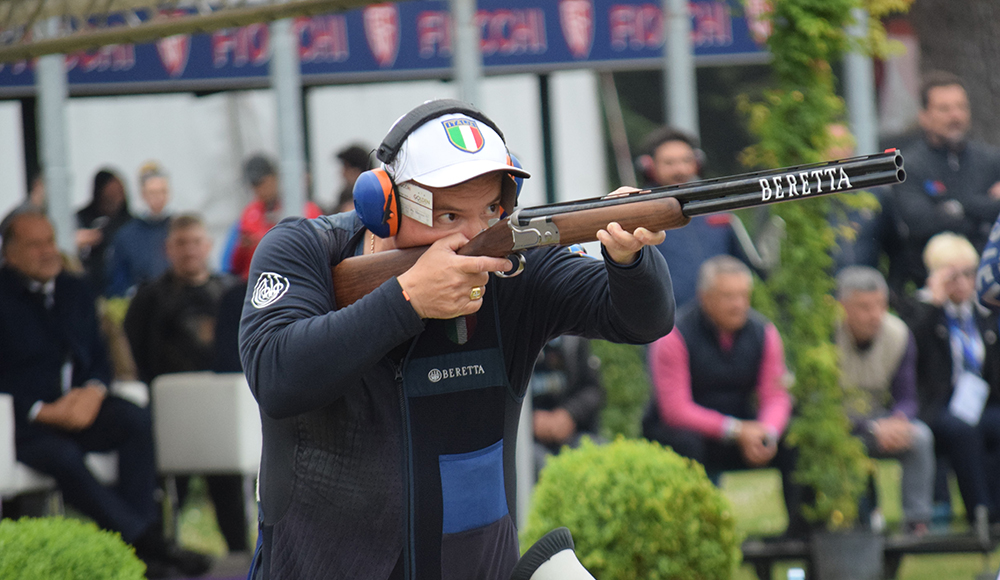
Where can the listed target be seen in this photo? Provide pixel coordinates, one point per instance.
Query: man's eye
(448, 217)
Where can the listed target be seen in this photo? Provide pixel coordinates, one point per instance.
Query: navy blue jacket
(36, 342)
(137, 254)
(335, 388)
(935, 179)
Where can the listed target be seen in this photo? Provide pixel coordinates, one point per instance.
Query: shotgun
(659, 208)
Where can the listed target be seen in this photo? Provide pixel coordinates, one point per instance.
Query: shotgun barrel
(655, 209)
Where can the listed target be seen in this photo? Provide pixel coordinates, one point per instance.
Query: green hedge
(636, 510)
(64, 549)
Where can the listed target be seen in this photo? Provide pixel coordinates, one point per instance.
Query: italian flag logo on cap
(464, 134)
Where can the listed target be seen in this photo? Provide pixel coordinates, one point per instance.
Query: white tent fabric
(201, 141)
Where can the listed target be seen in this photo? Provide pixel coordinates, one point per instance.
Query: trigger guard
(518, 270)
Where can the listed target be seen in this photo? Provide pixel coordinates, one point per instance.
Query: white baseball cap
(449, 150)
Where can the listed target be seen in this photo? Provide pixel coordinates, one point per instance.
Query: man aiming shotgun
(389, 421)
(655, 209)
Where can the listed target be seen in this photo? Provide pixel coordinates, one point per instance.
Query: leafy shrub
(64, 549)
(636, 510)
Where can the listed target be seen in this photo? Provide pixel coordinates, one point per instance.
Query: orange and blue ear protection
(375, 196)
(376, 202)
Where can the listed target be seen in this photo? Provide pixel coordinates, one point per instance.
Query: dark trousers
(128, 508)
(974, 454)
(718, 456)
(226, 492)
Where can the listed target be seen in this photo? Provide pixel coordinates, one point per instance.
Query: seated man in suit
(719, 394)
(566, 396)
(55, 365)
(878, 362)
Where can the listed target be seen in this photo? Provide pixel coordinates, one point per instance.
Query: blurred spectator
(261, 214)
(863, 234)
(353, 162)
(672, 157)
(952, 183)
(958, 370)
(878, 357)
(988, 277)
(566, 396)
(56, 367)
(719, 393)
(34, 200)
(98, 222)
(137, 253)
(171, 328)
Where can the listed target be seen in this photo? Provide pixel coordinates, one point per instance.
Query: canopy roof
(30, 28)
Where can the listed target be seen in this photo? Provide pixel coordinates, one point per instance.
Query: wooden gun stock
(655, 209)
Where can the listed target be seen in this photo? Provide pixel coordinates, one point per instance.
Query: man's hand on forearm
(74, 411)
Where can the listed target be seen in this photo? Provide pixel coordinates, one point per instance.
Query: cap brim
(462, 172)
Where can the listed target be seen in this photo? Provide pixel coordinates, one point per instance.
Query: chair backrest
(7, 454)
(205, 422)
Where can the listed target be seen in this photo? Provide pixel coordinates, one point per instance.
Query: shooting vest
(723, 380)
(460, 421)
(872, 370)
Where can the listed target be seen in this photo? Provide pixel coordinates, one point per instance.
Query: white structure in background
(202, 141)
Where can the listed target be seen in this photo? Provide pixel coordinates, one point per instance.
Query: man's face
(841, 142)
(156, 194)
(349, 173)
(467, 208)
(187, 251)
(674, 163)
(864, 312)
(266, 190)
(947, 117)
(32, 249)
(727, 301)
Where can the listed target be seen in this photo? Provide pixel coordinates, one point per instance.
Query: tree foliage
(791, 123)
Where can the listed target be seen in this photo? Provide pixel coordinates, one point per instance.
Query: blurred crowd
(918, 351)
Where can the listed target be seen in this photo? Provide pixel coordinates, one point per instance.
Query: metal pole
(50, 82)
(286, 80)
(545, 106)
(466, 59)
(859, 84)
(680, 82)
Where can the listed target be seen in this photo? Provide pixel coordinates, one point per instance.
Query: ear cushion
(518, 180)
(376, 202)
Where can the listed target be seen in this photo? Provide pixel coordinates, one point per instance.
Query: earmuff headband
(413, 120)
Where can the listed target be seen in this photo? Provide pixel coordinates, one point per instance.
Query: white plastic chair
(207, 423)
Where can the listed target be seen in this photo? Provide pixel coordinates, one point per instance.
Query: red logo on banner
(382, 32)
(577, 19)
(759, 19)
(173, 51)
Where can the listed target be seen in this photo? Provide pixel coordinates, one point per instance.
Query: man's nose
(475, 226)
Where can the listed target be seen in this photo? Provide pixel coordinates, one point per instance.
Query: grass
(756, 499)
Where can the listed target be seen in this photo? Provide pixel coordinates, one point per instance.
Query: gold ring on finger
(476, 293)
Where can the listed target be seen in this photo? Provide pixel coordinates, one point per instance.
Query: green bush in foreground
(636, 510)
(64, 549)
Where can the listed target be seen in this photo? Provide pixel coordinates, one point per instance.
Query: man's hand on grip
(441, 283)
